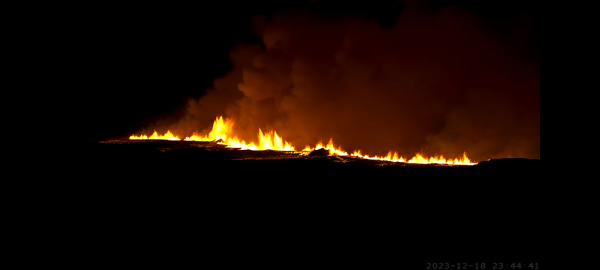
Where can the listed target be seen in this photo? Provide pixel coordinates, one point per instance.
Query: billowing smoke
(440, 81)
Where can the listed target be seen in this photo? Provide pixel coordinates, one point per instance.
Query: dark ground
(158, 155)
(492, 211)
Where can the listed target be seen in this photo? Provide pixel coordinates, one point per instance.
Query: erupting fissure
(168, 136)
(222, 133)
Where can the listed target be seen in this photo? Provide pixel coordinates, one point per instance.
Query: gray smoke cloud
(439, 82)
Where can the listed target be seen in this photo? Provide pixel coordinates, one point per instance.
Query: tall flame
(222, 129)
(222, 132)
(271, 141)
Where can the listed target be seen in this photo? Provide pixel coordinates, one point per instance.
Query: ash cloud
(439, 81)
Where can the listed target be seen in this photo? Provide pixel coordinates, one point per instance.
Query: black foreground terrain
(494, 209)
(159, 155)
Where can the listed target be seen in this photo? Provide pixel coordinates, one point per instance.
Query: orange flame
(419, 159)
(330, 147)
(389, 157)
(222, 131)
(168, 136)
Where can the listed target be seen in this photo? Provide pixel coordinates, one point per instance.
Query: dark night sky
(143, 62)
(135, 64)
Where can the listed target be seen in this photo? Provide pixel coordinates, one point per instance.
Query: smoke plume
(439, 81)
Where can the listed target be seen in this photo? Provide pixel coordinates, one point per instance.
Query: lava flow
(222, 133)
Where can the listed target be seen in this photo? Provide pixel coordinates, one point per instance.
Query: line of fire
(223, 133)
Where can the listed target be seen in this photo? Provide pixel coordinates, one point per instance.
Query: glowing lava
(168, 136)
(390, 157)
(222, 129)
(222, 132)
(330, 147)
(441, 160)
